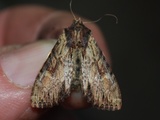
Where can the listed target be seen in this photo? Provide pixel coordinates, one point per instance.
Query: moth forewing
(76, 63)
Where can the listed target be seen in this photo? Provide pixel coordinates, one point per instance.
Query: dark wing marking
(99, 84)
(54, 79)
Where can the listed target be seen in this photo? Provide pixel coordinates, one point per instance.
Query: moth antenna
(102, 17)
(72, 10)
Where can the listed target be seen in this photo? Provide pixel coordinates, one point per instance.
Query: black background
(134, 47)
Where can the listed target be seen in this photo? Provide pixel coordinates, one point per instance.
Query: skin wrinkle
(8, 48)
(26, 114)
(17, 96)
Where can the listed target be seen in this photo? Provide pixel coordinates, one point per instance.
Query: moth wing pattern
(76, 63)
(52, 83)
(99, 83)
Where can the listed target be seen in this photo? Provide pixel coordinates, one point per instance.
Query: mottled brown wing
(50, 86)
(99, 83)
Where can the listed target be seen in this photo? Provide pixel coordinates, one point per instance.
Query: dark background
(134, 47)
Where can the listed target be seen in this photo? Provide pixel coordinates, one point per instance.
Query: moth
(76, 63)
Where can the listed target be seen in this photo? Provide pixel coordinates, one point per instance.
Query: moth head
(77, 34)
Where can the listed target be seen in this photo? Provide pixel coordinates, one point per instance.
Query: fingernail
(22, 65)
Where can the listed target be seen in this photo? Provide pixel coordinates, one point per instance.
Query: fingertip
(22, 65)
(15, 101)
(76, 101)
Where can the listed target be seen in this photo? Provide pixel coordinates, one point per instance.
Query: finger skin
(14, 101)
(24, 24)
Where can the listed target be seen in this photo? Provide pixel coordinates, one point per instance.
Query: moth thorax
(78, 39)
